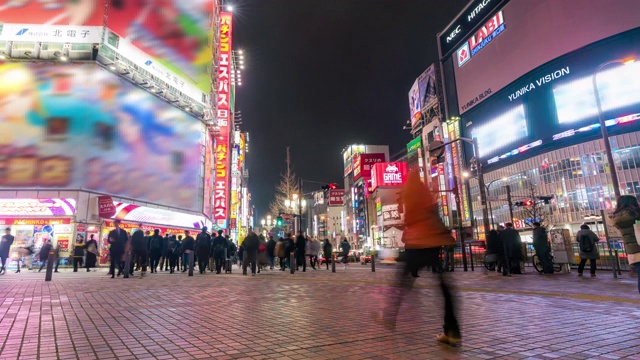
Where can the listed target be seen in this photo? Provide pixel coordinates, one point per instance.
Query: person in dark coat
(188, 246)
(327, 250)
(218, 246)
(174, 252)
(289, 247)
(542, 247)
(139, 251)
(91, 258)
(155, 249)
(44, 253)
(251, 243)
(117, 239)
(271, 251)
(203, 248)
(495, 250)
(5, 246)
(512, 250)
(164, 255)
(78, 252)
(588, 243)
(301, 244)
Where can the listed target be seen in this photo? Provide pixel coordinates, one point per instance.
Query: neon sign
(481, 38)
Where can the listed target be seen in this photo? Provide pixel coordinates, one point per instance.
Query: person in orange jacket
(423, 237)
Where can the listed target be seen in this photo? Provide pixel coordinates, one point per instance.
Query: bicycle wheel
(489, 265)
(557, 267)
(536, 263)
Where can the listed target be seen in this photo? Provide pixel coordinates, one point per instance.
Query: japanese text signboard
(336, 197)
(223, 117)
(363, 164)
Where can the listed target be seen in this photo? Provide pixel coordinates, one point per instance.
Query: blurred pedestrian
(174, 253)
(188, 246)
(155, 249)
(164, 255)
(250, 244)
(218, 247)
(262, 253)
(91, 257)
(280, 253)
(542, 247)
(203, 249)
(44, 254)
(588, 244)
(344, 252)
(512, 250)
(301, 244)
(625, 215)
(139, 251)
(327, 250)
(424, 235)
(5, 247)
(495, 251)
(289, 248)
(117, 239)
(78, 252)
(271, 251)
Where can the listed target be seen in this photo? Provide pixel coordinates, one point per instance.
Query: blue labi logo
(22, 31)
(148, 62)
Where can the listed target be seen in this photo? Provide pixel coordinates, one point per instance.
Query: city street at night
(313, 315)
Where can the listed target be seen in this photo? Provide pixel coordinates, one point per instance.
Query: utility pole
(510, 203)
(456, 193)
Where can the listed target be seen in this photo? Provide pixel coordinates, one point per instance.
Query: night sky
(322, 74)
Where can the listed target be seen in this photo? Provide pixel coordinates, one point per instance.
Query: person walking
(495, 251)
(327, 250)
(344, 252)
(543, 248)
(301, 244)
(217, 250)
(587, 242)
(139, 251)
(512, 250)
(78, 252)
(5, 247)
(44, 254)
(288, 249)
(188, 246)
(280, 253)
(164, 254)
(117, 239)
(625, 215)
(174, 253)
(91, 257)
(262, 253)
(155, 249)
(203, 248)
(271, 252)
(423, 236)
(250, 244)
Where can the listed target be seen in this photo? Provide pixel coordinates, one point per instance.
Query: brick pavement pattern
(313, 315)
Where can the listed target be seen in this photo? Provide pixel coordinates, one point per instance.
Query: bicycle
(538, 265)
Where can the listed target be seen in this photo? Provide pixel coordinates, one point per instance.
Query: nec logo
(148, 62)
(22, 31)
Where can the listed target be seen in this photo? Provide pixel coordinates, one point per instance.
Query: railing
(475, 256)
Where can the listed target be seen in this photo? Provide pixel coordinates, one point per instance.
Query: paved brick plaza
(312, 315)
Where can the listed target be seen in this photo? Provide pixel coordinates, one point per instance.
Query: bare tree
(538, 211)
(288, 185)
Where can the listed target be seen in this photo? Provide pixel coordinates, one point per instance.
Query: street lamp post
(603, 125)
(296, 203)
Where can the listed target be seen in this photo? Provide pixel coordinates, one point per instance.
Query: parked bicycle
(538, 265)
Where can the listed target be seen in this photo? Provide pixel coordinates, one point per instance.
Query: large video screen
(81, 127)
(525, 34)
(555, 105)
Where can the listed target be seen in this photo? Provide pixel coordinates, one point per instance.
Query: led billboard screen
(514, 39)
(555, 106)
(79, 126)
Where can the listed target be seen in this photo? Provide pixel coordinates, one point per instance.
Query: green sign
(414, 145)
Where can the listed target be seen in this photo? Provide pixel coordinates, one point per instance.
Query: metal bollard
(471, 257)
(333, 264)
(127, 264)
(50, 260)
(292, 265)
(373, 263)
(191, 262)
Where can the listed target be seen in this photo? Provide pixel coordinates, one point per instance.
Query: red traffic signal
(527, 203)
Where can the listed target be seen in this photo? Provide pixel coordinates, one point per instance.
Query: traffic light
(330, 186)
(279, 221)
(527, 203)
(546, 199)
